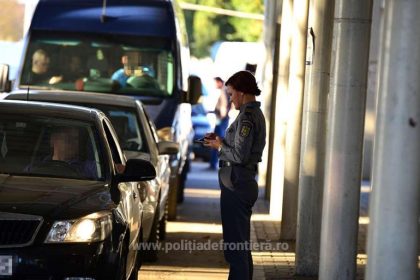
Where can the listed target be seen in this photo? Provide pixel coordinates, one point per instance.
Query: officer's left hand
(213, 143)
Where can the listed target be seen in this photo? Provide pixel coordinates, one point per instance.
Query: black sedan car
(70, 203)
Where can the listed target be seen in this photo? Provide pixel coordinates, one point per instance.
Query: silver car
(139, 140)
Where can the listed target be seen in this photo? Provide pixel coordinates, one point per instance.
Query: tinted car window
(152, 127)
(52, 147)
(117, 155)
(126, 124)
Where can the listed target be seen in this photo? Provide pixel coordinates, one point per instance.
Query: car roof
(77, 97)
(130, 17)
(50, 109)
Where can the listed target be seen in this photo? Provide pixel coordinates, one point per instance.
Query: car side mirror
(165, 133)
(194, 89)
(168, 148)
(137, 170)
(5, 83)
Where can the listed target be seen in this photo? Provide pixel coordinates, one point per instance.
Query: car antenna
(103, 16)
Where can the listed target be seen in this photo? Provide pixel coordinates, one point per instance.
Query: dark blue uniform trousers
(236, 209)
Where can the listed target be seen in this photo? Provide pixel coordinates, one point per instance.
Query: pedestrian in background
(222, 118)
(239, 155)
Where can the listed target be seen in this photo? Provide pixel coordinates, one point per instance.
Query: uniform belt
(250, 166)
(223, 163)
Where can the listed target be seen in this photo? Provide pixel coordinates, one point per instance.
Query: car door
(162, 161)
(130, 197)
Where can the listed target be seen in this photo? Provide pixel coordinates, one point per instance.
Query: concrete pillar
(269, 78)
(294, 122)
(374, 49)
(394, 208)
(277, 175)
(345, 126)
(311, 174)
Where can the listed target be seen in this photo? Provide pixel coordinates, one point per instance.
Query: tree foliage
(11, 20)
(246, 29)
(205, 28)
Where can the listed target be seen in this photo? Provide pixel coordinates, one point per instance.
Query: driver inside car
(133, 73)
(65, 156)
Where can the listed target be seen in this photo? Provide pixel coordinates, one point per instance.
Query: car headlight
(94, 227)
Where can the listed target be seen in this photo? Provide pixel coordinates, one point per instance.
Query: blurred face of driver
(131, 62)
(65, 144)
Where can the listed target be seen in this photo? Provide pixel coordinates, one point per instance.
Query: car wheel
(137, 265)
(183, 179)
(151, 254)
(172, 197)
(162, 224)
(135, 273)
(140, 256)
(122, 263)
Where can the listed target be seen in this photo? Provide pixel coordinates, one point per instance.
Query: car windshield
(49, 147)
(99, 63)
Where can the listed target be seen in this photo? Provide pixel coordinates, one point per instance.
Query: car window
(126, 124)
(152, 127)
(52, 147)
(117, 155)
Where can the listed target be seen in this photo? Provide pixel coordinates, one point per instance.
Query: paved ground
(199, 223)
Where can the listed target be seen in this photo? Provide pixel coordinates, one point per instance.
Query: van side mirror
(137, 170)
(168, 148)
(194, 89)
(5, 83)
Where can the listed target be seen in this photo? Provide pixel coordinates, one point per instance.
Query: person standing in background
(222, 118)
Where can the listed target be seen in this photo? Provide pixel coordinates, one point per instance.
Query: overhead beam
(220, 11)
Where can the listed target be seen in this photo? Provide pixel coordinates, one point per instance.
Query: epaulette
(249, 110)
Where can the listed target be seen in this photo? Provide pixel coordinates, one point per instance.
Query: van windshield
(99, 63)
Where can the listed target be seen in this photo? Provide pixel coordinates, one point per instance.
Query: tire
(122, 263)
(137, 265)
(135, 273)
(140, 256)
(151, 255)
(162, 224)
(172, 198)
(183, 179)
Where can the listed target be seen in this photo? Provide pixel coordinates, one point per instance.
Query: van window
(98, 63)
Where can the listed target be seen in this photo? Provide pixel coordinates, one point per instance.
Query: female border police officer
(239, 154)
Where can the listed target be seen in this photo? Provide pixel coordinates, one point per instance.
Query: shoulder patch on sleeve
(246, 127)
